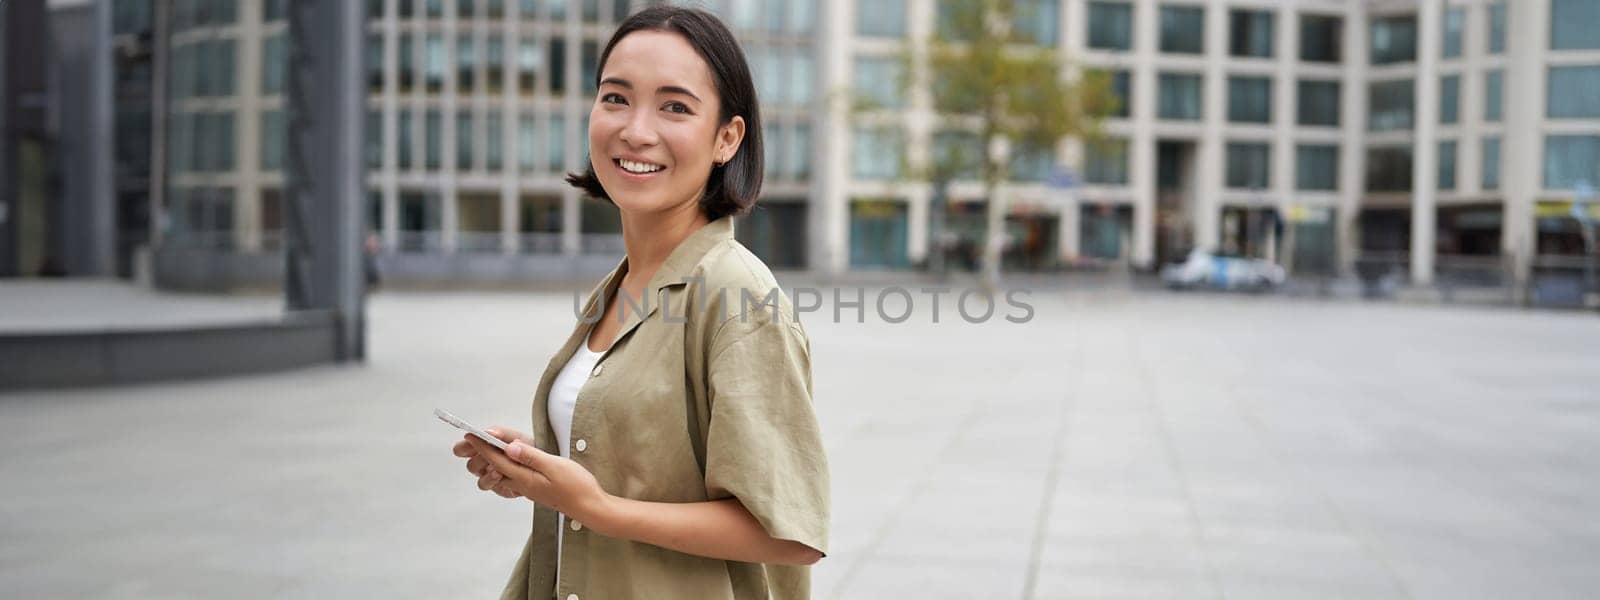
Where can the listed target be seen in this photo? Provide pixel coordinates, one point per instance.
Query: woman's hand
(489, 479)
(548, 479)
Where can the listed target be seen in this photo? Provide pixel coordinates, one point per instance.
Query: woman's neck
(651, 238)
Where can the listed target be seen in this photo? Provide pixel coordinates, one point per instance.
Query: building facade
(1434, 139)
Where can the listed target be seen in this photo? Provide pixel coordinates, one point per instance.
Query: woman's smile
(633, 169)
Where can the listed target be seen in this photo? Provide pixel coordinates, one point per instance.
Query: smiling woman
(675, 452)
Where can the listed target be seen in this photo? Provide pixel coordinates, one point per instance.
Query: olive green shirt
(705, 395)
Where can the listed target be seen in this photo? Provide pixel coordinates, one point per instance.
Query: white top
(563, 398)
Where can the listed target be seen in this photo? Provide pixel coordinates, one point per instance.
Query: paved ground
(1119, 445)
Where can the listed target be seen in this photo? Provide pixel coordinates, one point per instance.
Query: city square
(1121, 444)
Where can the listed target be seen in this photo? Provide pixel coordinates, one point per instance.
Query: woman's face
(653, 131)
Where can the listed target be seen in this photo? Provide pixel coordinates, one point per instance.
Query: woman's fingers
(476, 465)
(489, 480)
(505, 491)
(463, 449)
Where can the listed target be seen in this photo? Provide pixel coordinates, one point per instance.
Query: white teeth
(639, 167)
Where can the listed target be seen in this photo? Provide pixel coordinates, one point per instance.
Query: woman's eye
(613, 98)
(676, 107)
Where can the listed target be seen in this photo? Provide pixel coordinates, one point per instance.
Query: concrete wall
(122, 357)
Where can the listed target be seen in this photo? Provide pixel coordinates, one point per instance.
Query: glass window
(526, 9)
(1455, 19)
(1389, 169)
(132, 16)
(1106, 162)
(799, 152)
(1179, 97)
(1574, 92)
(272, 10)
(558, 66)
(407, 61)
(878, 233)
(956, 154)
(466, 64)
(591, 11)
(588, 67)
(375, 62)
(558, 9)
(877, 81)
(274, 69)
(1447, 165)
(1394, 40)
(1392, 105)
(1031, 162)
(1110, 26)
(435, 8)
(529, 58)
(494, 133)
(1449, 98)
(495, 9)
(432, 126)
(1320, 38)
(743, 15)
(772, 150)
(273, 134)
(495, 62)
(1035, 21)
(556, 143)
(1493, 85)
(876, 153)
(1250, 33)
(882, 18)
(465, 8)
(374, 133)
(1183, 29)
(527, 143)
(1569, 159)
(802, 87)
(434, 49)
(1491, 163)
(405, 8)
(1497, 27)
(1250, 99)
(1122, 87)
(403, 128)
(224, 12)
(223, 129)
(1318, 103)
(1572, 25)
(767, 66)
(1316, 167)
(802, 16)
(223, 67)
(1249, 165)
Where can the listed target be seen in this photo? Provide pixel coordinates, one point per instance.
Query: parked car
(1205, 269)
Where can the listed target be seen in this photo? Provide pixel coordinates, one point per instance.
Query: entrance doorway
(1174, 199)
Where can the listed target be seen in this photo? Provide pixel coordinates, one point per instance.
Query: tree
(983, 72)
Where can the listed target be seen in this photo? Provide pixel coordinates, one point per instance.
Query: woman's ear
(729, 137)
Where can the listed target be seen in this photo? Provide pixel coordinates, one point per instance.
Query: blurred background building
(1440, 141)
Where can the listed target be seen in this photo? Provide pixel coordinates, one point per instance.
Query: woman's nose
(640, 130)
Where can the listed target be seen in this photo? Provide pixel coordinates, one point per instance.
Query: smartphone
(445, 416)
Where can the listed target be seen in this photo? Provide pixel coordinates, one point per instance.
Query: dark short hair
(733, 187)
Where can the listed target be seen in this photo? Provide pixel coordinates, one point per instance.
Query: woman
(675, 453)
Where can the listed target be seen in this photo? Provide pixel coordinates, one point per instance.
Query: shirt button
(572, 597)
(597, 370)
(581, 445)
(576, 526)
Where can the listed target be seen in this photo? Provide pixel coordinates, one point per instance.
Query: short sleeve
(763, 444)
